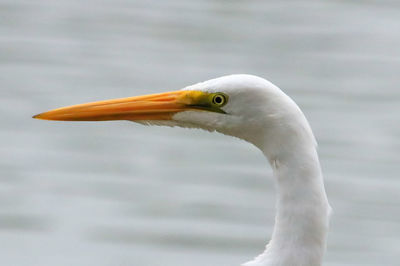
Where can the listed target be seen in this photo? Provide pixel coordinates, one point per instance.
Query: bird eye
(219, 99)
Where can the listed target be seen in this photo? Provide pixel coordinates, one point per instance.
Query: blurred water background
(117, 193)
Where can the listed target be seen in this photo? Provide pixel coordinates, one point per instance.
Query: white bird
(253, 109)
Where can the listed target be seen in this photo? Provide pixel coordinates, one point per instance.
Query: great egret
(253, 109)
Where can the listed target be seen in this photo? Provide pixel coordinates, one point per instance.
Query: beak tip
(39, 116)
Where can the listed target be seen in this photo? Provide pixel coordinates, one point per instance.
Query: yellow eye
(219, 99)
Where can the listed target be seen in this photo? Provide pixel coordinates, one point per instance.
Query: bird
(255, 110)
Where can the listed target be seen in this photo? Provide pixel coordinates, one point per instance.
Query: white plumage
(260, 113)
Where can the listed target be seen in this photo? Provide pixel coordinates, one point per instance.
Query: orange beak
(148, 107)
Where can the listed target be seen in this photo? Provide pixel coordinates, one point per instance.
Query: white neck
(302, 219)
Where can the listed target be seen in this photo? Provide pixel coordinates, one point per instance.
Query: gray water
(117, 193)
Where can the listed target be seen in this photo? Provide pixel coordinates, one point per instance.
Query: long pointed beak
(148, 107)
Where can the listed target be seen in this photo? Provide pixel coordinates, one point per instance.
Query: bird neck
(302, 218)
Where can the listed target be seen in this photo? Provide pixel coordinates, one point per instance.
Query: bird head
(243, 106)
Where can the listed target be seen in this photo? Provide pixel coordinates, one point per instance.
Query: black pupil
(218, 99)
